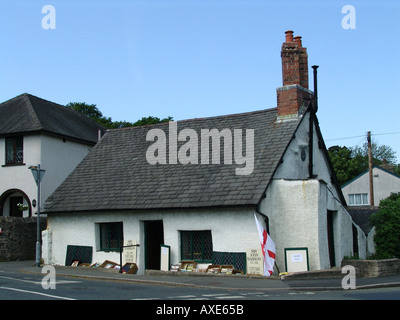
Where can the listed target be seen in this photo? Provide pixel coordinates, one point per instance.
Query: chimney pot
(293, 97)
(297, 40)
(289, 36)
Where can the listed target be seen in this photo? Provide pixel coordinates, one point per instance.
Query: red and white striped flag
(268, 249)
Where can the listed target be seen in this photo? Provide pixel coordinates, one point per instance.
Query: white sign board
(254, 261)
(164, 261)
(129, 253)
(296, 259)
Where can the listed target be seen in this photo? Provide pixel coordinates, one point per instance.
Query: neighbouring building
(357, 195)
(195, 186)
(36, 131)
(385, 182)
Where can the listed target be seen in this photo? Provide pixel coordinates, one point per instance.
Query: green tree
(379, 153)
(348, 163)
(397, 169)
(91, 111)
(141, 122)
(387, 227)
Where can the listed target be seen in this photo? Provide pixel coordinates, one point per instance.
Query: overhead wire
(363, 136)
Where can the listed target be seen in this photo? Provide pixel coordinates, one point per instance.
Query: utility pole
(371, 177)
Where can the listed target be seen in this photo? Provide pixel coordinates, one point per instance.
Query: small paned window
(196, 245)
(14, 150)
(358, 199)
(111, 236)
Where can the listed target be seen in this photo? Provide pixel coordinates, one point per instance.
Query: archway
(9, 200)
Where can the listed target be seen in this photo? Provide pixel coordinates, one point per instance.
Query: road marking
(38, 293)
(250, 293)
(215, 294)
(40, 282)
(231, 297)
(182, 297)
(21, 280)
(67, 281)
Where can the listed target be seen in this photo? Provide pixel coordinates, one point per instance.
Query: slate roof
(116, 175)
(26, 114)
(361, 216)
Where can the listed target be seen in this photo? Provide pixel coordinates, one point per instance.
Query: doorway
(154, 238)
(331, 240)
(355, 242)
(9, 203)
(14, 210)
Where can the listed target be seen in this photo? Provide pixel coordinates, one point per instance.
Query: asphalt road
(20, 286)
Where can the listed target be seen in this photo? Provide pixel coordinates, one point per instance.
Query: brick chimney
(294, 96)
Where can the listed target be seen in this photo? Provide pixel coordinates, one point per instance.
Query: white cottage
(195, 185)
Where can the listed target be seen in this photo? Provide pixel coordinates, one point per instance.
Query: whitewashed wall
(297, 205)
(233, 230)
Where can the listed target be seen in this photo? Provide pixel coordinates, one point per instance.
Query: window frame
(206, 257)
(118, 239)
(364, 201)
(14, 140)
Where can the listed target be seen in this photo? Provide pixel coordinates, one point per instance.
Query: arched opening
(9, 201)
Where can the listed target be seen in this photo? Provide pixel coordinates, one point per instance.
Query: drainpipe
(315, 88)
(313, 110)
(266, 219)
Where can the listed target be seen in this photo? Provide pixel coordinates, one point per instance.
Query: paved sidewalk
(315, 281)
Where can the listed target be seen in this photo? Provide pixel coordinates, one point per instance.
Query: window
(358, 199)
(111, 236)
(196, 245)
(14, 150)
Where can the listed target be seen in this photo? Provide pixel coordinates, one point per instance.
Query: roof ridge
(14, 98)
(31, 109)
(198, 119)
(229, 115)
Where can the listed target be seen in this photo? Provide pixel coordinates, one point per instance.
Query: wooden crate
(237, 272)
(227, 269)
(108, 264)
(188, 263)
(214, 268)
(129, 268)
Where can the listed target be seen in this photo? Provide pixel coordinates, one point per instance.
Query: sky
(200, 58)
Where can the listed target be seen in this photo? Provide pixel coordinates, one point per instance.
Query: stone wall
(374, 268)
(18, 238)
